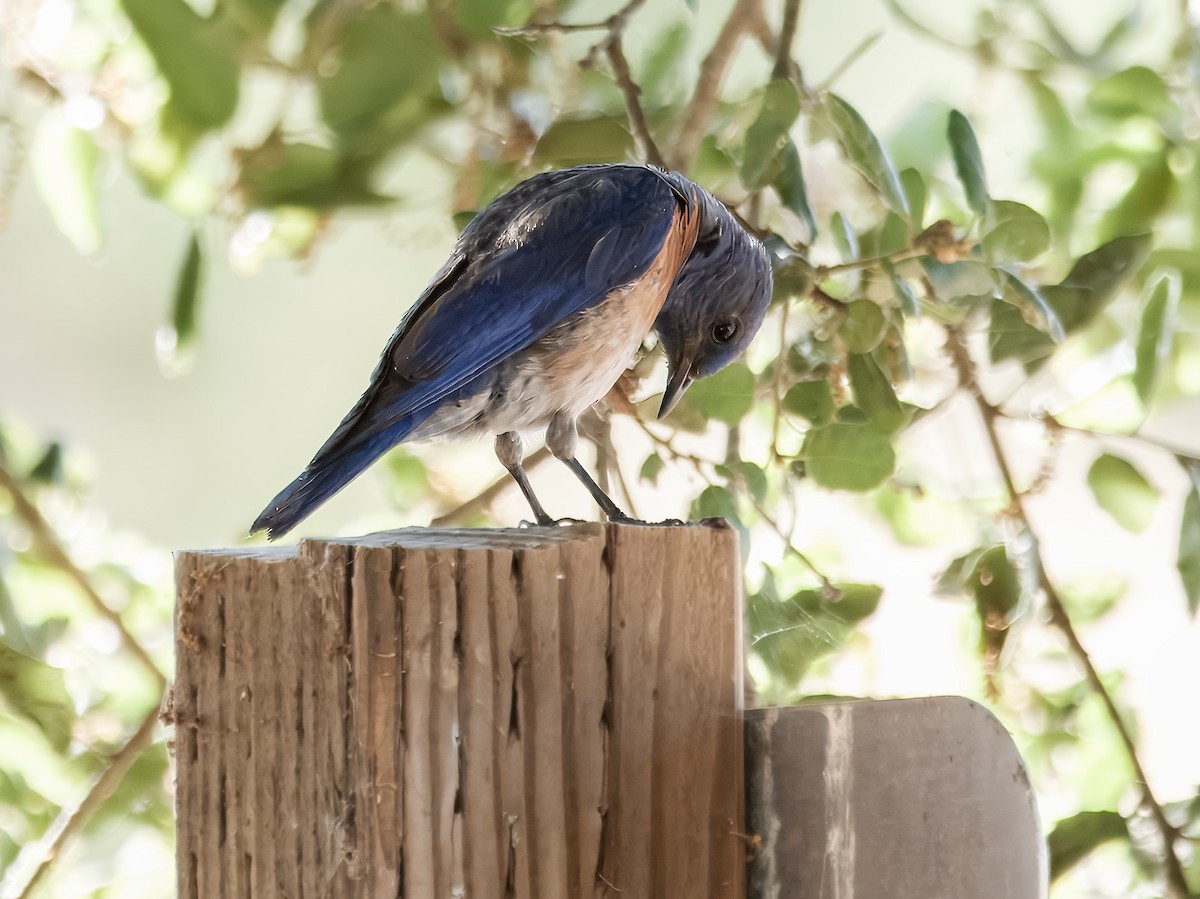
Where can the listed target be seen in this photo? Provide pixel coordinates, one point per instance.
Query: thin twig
(824, 271)
(699, 464)
(1055, 425)
(744, 15)
(921, 28)
(827, 586)
(1058, 612)
(633, 104)
(616, 22)
(851, 58)
(785, 67)
(488, 495)
(610, 45)
(777, 383)
(47, 542)
(69, 821)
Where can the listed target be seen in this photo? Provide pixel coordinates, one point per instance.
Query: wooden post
(906, 798)
(426, 714)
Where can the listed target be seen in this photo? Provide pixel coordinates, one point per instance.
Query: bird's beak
(678, 378)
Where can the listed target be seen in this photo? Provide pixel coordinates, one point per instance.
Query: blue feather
(548, 250)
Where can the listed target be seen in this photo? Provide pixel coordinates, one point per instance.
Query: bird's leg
(508, 451)
(561, 438)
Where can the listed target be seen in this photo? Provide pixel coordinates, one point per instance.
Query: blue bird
(543, 303)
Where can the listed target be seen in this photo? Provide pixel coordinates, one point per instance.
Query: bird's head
(717, 303)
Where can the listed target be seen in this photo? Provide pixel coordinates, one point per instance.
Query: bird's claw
(626, 519)
(549, 522)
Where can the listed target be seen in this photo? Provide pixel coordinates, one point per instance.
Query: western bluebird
(542, 305)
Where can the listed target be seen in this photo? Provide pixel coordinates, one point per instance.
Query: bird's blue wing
(538, 256)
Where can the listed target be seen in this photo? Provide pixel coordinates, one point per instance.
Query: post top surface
(454, 538)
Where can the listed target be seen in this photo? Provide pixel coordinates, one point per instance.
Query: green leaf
(874, 394)
(1122, 491)
(1015, 233)
(1034, 307)
(1188, 560)
(662, 76)
(1094, 279)
(1010, 336)
(187, 292)
(255, 16)
(64, 161)
(920, 517)
(917, 195)
(1156, 334)
(717, 502)
(48, 470)
(850, 414)
(863, 327)
(386, 79)
(968, 162)
(746, 475)
(810, 399)
(790, 634)
(891, 236)
(409, 481)
(794, 278)
(138, 798)
(958, 282)
(910, 303)
(866, 153)
(651, 468)
(767, 133)
(726, 396)
(24, 636)
(1136, 91)
(845, 237)
(1091, 596)
(844, 456)
(1074, 838)
(303, 174)
(995, 583)
(199, 61)
(37, 692)
(576, 139)
(1147, 197)
(792, 189)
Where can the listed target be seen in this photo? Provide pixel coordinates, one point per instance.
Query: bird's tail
(353, 446)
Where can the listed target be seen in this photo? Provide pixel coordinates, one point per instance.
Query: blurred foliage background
(983, 360)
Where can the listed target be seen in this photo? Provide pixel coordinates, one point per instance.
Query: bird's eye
(723, 331)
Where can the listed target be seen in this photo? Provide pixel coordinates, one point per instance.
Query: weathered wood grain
(537, 713)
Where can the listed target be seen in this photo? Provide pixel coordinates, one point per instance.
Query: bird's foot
(549, 522)
(665, 523)
(619, 517)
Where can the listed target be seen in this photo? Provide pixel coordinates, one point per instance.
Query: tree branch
(784, 66)
(610, 45)
(69, 821)
(633, 104)
(1055, 425)
(1058, 613)
(47, 542)
(744, 16)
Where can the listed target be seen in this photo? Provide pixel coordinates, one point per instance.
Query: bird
(547, 297)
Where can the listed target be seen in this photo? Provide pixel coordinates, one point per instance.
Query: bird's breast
(576, 363)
